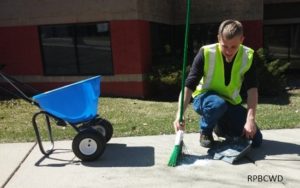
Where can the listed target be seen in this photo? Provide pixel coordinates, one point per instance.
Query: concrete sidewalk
(142, 162)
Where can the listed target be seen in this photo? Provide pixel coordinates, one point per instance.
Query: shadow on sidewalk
(269, 150)
(58, 158)
(276, 150)
(119, 155)
(115, 155)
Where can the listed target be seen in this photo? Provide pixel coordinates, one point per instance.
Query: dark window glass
(283, 42)
(203, 34)
(162, 43)
(168, 41)
(281, 11)
(77, 49)
(94, 49)
(58, 49)
(295, 46)
(276, 40)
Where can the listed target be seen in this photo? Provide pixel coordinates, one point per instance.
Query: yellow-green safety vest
(213, 75)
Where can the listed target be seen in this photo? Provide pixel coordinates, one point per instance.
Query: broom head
(177, 151)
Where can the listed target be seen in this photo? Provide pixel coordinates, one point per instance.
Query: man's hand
(249, 129)
(178, 125)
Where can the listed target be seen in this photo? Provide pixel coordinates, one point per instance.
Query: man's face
(229, 47)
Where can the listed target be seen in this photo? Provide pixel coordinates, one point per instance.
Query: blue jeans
(230, 119)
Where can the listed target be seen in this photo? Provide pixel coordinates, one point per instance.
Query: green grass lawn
(132, 117)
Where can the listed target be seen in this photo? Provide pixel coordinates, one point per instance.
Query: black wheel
(104, 127)
(88, 145)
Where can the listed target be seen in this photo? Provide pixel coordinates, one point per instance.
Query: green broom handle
(187, 24)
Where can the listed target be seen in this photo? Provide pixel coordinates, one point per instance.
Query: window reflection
(58, 49)
(168, 41)
(76, 49)
(283, 42)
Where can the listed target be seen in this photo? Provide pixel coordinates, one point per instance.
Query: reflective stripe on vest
(213, 78)
(212, 59)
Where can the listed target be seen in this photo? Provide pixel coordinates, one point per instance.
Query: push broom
(177, 151)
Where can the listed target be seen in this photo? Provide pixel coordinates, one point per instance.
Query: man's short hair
(230, 28)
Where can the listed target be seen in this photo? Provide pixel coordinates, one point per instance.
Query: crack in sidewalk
(18, 167)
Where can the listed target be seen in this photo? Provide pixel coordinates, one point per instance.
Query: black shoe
(217, 130)
(206, 140)
(220, 132)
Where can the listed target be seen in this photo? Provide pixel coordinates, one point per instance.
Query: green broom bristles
(177, 151)
(176, 154)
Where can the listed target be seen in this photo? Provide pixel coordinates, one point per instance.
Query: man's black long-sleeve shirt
(196, 72)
